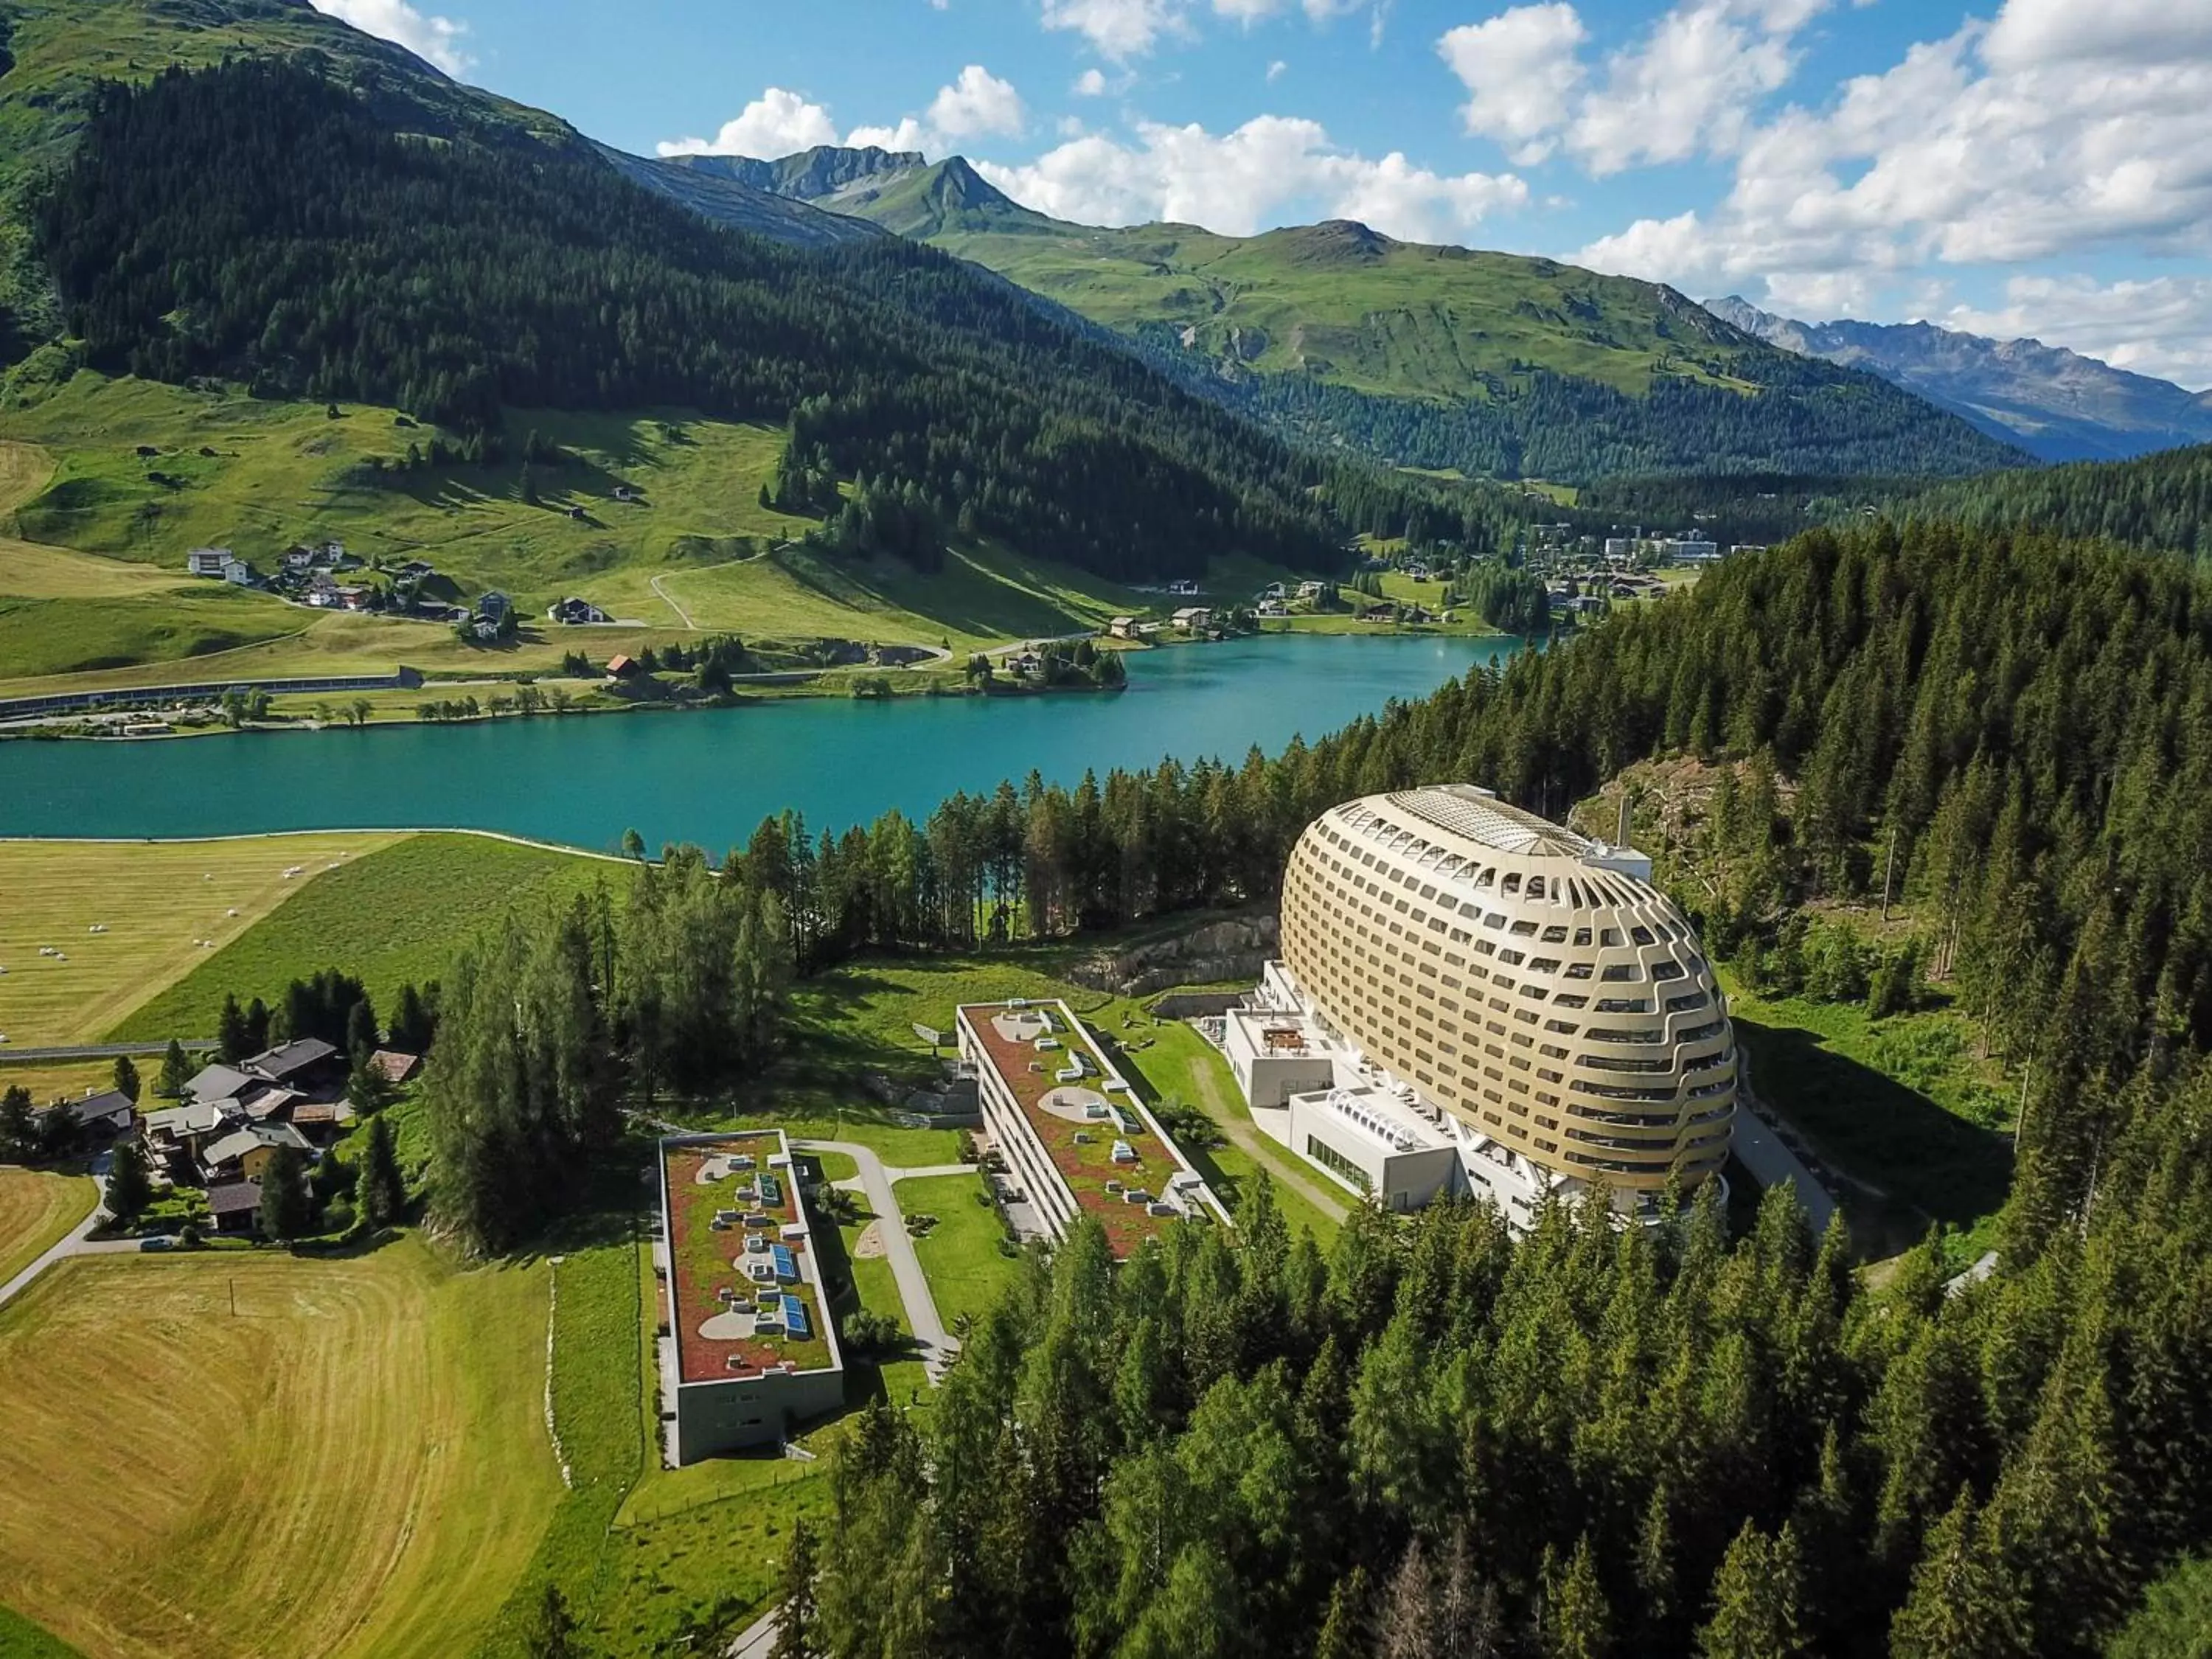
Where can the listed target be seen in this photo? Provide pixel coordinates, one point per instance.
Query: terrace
(1117, 1165)
(742, 1295)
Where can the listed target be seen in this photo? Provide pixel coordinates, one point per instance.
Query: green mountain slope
(1430, 356)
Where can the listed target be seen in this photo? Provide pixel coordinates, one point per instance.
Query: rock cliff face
(1233, 949)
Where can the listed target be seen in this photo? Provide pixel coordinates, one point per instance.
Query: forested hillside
(1593, 1442)
(254, 222)
(2161, 501)
(1455, 358)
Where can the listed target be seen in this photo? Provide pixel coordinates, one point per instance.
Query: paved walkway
(937, 1344)
(78, 1241)
(1769, 1157)
(757, 1638)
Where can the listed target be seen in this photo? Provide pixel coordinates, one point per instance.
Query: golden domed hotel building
(1472, 999)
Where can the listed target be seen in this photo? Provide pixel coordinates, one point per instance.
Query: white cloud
(1276, 71)
(433, 39)
(1118, 29)
(1238, 182)
(2052, 131)
(1092, 84)
(977, 102)
(2159, 325)
(776, 123)
(1689, 86)
(1520, 69)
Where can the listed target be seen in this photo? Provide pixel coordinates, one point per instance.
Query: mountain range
(1333, 336)
(1435, 356)
(2057, 405)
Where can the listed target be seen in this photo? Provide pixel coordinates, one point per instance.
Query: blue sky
(2014, 166)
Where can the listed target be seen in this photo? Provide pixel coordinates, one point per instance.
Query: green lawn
(1173, 1063)
(389, 917)
(1902, 1106)
(967, 1270)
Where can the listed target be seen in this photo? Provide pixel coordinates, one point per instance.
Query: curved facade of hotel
(1524, 988)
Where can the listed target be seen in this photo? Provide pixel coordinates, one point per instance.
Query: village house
(575, 613)
(99, 1116)
(234, 1207)
(1192, 618)
(246, 1153)
(209, 560)
(1122, 628)
(1183, 587)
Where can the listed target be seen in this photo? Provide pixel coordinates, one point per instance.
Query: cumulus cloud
(435, 39)
(1520, 68)
(2029, 138)
(1118, 29)
(1238, 182)
(778, 122)
(1688, 86)
(977, 102)
(1092, 84)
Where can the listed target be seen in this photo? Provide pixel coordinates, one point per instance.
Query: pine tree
(233, 1041)
(176, 1071)
(126, 1077)
(1406, 1627)
(383, 1189)
(1343, 1629)
(18, 1124)
(1755, 1598)
(552, 1631)
(129, 1189)
(285, 1203)
(1965, 1602)
(794, 1615)
(1576, 1622)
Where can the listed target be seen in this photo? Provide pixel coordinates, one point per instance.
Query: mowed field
(36, 1208)
(398, 913)
(354, 1462)
(155, 899)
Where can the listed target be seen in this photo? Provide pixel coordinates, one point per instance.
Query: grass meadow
(251, 1453)
(155, 900)
(398, 912)
(1920, 1126)
(36, 1208)
(94, 529)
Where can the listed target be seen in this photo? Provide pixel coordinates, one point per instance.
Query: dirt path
(669, 599)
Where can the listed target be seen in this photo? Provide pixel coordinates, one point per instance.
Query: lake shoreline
(838, 761)
(815, 685)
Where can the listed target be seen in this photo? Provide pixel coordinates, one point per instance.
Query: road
(937, 1344)
(94, 1051)
(78, 1241)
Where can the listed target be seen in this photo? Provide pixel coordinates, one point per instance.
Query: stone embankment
(1217, 952)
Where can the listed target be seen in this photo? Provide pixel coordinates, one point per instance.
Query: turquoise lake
(711, 776)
